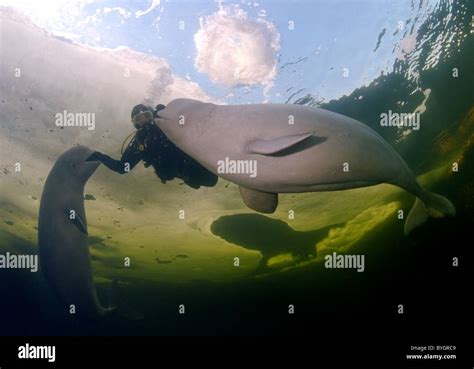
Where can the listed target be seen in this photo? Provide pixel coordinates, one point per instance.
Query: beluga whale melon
(269, 149)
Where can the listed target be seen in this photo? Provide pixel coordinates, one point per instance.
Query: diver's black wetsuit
(152, 146)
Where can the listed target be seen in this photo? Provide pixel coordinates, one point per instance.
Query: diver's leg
(195, 175)
(209, 179)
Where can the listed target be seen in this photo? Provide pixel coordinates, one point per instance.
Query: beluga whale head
(74, 166)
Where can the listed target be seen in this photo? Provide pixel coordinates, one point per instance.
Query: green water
(192, 261)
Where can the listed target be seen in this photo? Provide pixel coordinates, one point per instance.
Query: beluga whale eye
(73, 165)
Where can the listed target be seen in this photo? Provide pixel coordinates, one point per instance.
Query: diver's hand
(118, 166)
(95, 156)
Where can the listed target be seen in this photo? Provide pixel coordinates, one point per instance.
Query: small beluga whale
(63, 238)
(269, 149)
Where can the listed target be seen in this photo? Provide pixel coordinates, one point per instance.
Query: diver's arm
(129, 160)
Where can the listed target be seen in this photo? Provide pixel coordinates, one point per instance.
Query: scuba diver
(152, 146)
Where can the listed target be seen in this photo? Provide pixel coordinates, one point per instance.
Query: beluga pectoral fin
(276, 145)
(77, 220)
(263, 202)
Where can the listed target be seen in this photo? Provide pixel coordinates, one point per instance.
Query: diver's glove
(96, 156)
(157, 109)
(112, 164)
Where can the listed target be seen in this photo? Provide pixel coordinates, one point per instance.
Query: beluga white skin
(62, 234)
(296, 149)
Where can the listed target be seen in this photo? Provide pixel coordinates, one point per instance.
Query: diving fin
(276, 145)
(263, 202)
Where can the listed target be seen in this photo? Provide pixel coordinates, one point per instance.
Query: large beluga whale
(62, 234)
(269, 149)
